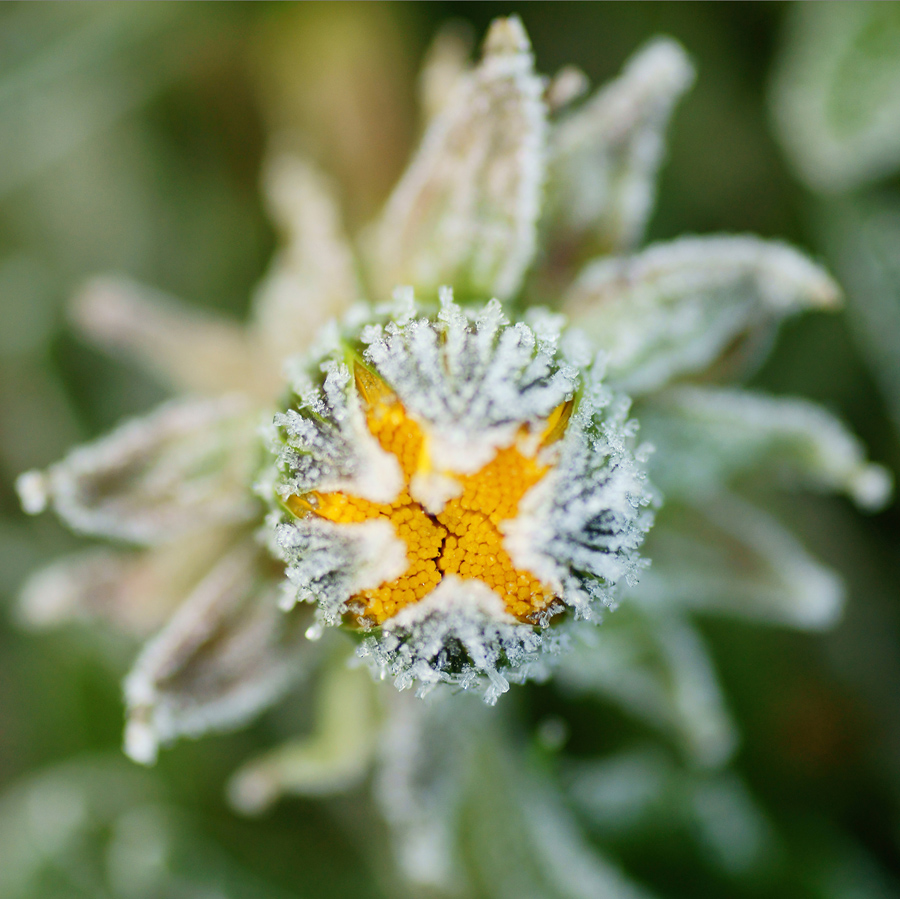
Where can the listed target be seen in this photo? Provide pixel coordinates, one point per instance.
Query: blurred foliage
(132, 139)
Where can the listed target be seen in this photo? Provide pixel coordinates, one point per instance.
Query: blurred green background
(131, 142)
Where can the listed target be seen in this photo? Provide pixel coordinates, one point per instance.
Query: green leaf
(465, 213)
(705, 438)
(836, 93)
(729, 557)
(676, 308)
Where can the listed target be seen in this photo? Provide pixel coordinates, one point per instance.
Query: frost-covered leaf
(426, 752)
(312, 278)
(706, 437)
(134, 591)
(643, 788)
(656, 667)
(728, 557)
(100, 828)
(675, 308)
(465, 212)
(622, 793)
(603, 158)
(520, 841)
(335, 757)
(189, 349)
(187, 466)
(864, 240)
(836, 93)
(446, 61)
(228, 652)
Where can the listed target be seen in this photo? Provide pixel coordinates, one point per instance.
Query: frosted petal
(675, 308)
(227, 653)
(603, 157)
(705, 437)
(189, 349)
(731, 558)
(312, 278)
(187, 466)
(465, 212)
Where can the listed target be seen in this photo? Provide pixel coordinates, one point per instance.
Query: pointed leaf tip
(506, 37)
(465, 212)
(33, 493)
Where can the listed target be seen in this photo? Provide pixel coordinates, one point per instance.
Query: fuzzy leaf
(520, 841)
(731, 558)
(186, 348)
(657, 669)
(675, 308)
(226, 654)
(836, 94)
(624, 794)
(446, 62)
(97, 827)
(334, 758)
(465, 212)
(604, 157)
(187, 466)
(864, 240)
(134, 591)
(312, 279)
(706, 437)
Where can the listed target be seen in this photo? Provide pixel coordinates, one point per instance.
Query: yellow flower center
(465, 538)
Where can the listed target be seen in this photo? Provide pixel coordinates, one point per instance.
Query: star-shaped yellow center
(465, 537)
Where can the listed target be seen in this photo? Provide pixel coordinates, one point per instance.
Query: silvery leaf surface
(725, 556)
(519, 840)
(135, 591)
(674, 309)
(187, 466)
(655, 666)
(706, 437)
(313, 277)
(465, 213)
(835, 98)
(188, 349)
(227, 653)
(603, 158)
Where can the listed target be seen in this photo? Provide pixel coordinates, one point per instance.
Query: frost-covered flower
(456, 483)
(457, 478)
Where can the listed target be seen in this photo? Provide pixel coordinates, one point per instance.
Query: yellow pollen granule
(464, 539)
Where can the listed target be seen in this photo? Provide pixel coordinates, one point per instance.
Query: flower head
(455, 483)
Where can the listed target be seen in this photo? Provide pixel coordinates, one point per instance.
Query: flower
(456, 483)
(406, 421)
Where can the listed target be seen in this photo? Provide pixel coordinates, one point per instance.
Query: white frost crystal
(474, 396)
